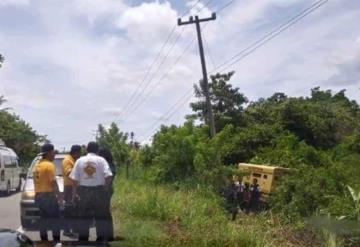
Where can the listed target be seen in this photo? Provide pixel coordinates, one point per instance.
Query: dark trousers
(50, 215)
(109, 226)
(93, 205)
(70, 210)
(68, 193)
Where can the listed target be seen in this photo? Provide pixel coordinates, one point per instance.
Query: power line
(207, 47)
(137, 103)
(204, 6)
(225, 6)
(166, 116)
(162, 78)
(271, 35)
(148, 70)
(135, 92)
(189, 91)
(268, 37)
(154, 74)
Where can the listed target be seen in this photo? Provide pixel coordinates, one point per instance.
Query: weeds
(157, 215)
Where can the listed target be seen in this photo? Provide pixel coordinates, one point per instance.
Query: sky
(71, 65)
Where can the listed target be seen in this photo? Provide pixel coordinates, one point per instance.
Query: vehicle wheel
(8, 189)
(18, 188)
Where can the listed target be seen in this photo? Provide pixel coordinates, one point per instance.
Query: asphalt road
(10, 211)
(10, 217)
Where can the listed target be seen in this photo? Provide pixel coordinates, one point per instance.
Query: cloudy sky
(72, 64)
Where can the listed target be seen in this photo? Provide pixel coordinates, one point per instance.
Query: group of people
(87, 193)
(244, 197)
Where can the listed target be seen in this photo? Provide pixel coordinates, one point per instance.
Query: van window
(8, 162)
(14, 161)
(257, 175)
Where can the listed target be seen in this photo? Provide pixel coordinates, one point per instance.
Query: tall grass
(147, 214)
(153, 215)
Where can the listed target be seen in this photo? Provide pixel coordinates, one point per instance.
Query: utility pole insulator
(210, 117)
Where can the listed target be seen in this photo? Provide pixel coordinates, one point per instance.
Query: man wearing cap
(67, 166)
(92, 175)
(47, 195)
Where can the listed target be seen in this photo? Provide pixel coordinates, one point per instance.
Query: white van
(9, 170)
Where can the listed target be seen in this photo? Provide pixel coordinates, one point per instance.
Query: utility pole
(196, 20)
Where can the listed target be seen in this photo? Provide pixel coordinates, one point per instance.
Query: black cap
(47, 148)
(75, 149)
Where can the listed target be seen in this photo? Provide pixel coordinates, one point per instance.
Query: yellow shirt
(44, 175)
(67, 166)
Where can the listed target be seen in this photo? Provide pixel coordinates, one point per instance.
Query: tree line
(317, 136)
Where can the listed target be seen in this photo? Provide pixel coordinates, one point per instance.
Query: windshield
(57, 161)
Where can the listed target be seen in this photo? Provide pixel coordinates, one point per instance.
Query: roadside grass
(147, 214)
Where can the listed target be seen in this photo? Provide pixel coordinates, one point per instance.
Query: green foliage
(115, 140)
(18, 135)
(307, 191)
(156, 215)
(174, 151)
(356, 198)
(318, 137)
(227, 102)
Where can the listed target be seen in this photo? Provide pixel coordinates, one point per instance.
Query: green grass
(156, 215)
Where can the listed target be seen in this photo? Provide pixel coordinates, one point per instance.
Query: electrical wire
(268, 37)
(140, 102)
(135, 93)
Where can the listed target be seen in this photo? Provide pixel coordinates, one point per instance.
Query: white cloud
(4, 3)
(148, 23)
(82, 63)
(348, 73)
(95, 9)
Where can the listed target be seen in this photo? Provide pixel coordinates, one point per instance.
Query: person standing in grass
(255, 195)
(246, 195)
(231, 194)
(109, 226)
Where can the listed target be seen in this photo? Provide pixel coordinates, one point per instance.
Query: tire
(8, 189)
(18, 188)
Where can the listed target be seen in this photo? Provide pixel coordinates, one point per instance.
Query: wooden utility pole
(196, 20)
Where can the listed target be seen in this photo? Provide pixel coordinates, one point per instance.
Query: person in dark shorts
(47, 195)
(107, 155)
(92, 176)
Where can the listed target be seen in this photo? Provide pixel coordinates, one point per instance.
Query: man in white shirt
(91, 175)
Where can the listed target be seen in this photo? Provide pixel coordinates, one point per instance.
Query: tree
(2, 101)
(18, 135)
(115, 140)
(227, 102)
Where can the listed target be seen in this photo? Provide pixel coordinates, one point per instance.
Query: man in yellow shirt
(67, 166)
(47, 195)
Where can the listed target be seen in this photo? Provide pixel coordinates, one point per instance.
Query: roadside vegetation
(167, 193)
(149, 214)
(317, 136)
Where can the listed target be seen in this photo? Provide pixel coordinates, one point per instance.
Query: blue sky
(73, 64)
